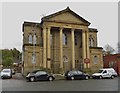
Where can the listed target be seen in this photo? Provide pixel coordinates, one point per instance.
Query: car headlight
(69, 74)
(28, 75)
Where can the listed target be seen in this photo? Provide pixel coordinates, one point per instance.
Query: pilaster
(44, 47)
(48, 49)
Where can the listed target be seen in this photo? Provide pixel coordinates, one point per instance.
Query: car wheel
(86, 77)
(72, 78)
(100, 77)
(50, 78)
(32, 79)
(112, 77)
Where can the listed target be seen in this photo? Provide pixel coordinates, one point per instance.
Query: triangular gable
(67, 16)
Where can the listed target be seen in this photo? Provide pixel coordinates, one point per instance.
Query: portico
(48, 47)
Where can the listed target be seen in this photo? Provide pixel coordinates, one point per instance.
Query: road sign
(86, 60)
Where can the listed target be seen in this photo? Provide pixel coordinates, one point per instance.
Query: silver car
(6, 73)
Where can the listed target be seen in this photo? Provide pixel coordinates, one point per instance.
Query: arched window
(64, 39)
(33, 58)
(34, 39)
(91, 41)
(30, 39)
(95, 60)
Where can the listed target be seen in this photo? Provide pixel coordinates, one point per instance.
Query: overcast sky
(101, 15)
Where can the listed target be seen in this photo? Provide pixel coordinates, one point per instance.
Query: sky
(101, 15)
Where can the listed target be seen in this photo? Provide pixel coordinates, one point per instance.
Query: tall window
(41, 39)
(64, 39)
(33, 58)
(111, 64)
(34, 39)
(75, 39)
(95, 60)
(51, 39)
(91, 41)
(30, 39)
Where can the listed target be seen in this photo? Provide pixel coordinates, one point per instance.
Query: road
(18, 83)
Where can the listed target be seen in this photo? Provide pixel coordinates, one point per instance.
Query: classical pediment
(66, 16)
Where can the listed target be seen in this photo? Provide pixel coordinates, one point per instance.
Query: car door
(105, 74)
(43, 75)
(38, 75)
(80, 75)
(73, 74)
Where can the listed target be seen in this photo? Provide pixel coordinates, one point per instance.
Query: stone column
(84, 46)
(73, 48)
(44, 47)
(48, 49)
(87, 47)
(61, 50)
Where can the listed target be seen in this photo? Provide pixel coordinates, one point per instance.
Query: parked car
(39, 75)
(105, 73)
(76, 75)
(6, 73)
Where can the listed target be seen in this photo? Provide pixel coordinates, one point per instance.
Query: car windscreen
(100, 71)
(6, 70)
(73, 72)
(34, 71)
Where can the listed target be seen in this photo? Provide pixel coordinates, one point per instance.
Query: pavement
(18, 76)
(59, 76)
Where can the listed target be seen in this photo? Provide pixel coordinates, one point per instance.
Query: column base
(73, 68)
(87, 70)
(49, 64)
(61, 71)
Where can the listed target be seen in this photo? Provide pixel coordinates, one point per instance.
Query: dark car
(76, 75)
(39, 75)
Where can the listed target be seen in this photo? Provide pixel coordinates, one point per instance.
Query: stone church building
(60, 42)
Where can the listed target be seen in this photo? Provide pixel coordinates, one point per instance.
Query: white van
(105, 73)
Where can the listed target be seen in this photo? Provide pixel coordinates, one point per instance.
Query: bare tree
(108, 49)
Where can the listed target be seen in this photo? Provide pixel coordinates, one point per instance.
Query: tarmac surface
(18, 83)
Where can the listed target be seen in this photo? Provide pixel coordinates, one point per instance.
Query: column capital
(61, 28)
(84, 31)
(48, 27)
(72, 29)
